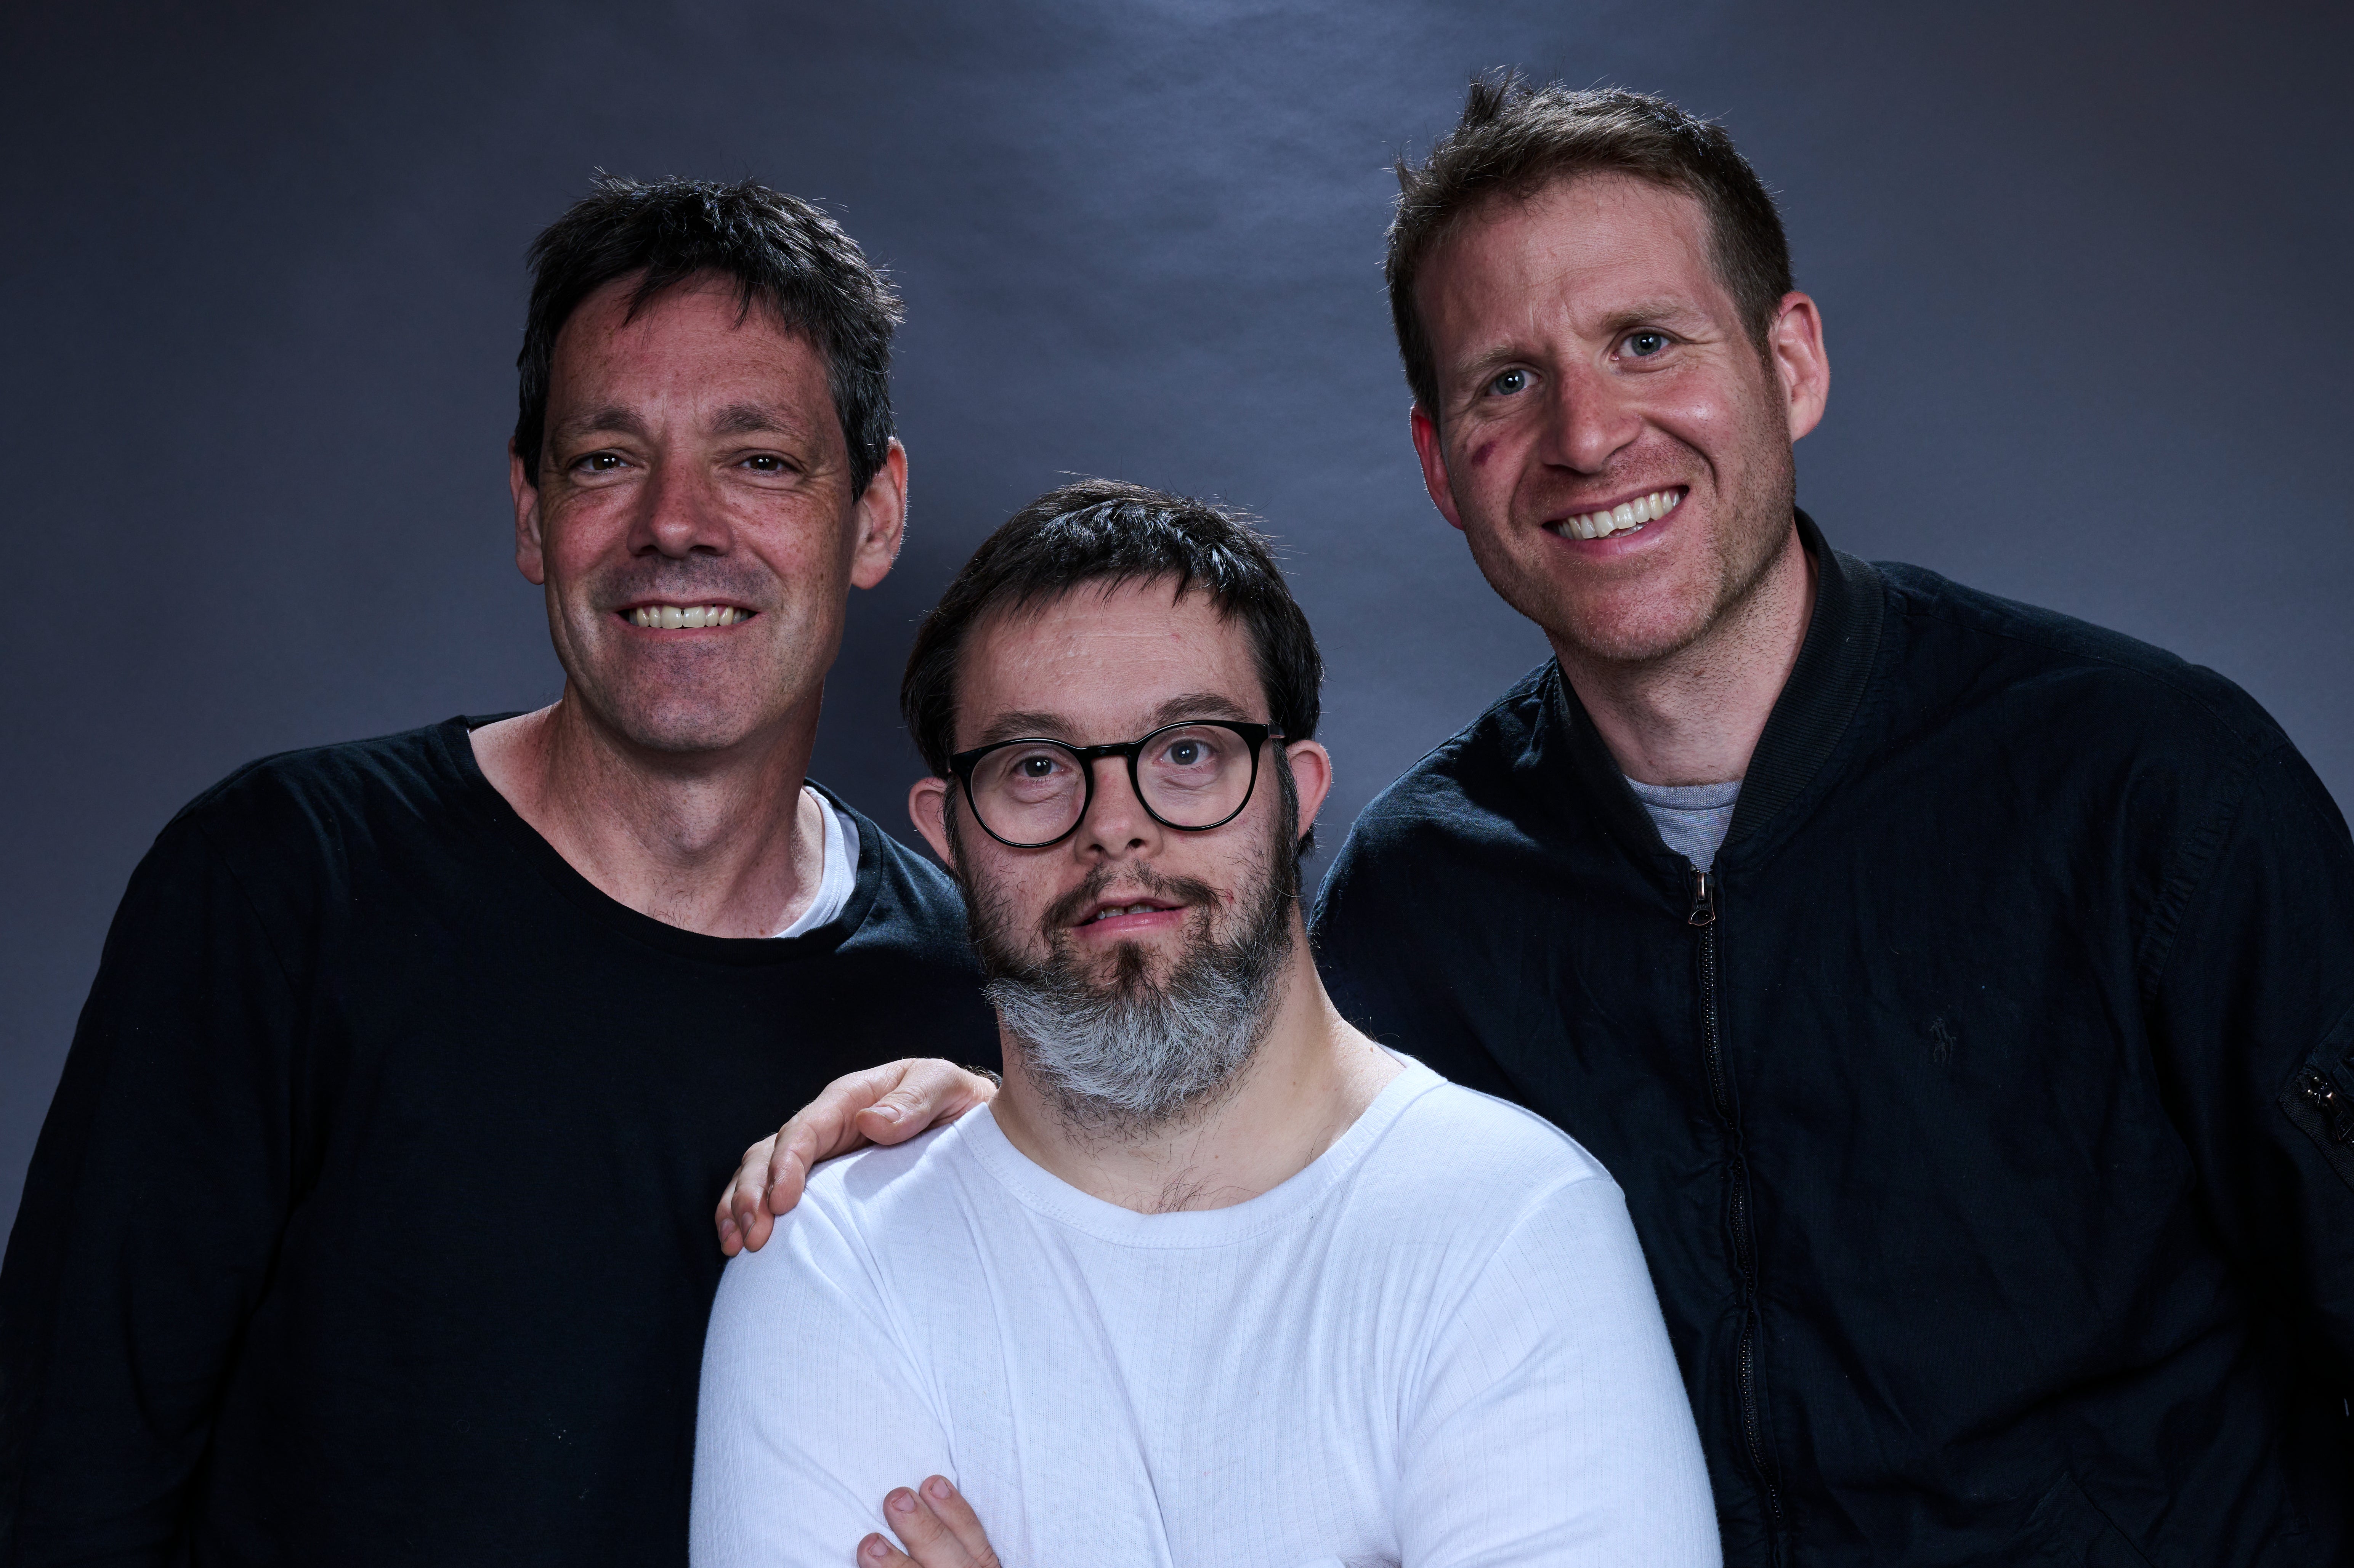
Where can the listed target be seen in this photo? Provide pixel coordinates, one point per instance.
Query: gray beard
(1119, 1059)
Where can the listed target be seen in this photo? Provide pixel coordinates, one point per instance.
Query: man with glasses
(1214, 1278)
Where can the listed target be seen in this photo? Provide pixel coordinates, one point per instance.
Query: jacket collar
(1825, 688)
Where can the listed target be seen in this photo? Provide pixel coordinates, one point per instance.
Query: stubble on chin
(1648, 618)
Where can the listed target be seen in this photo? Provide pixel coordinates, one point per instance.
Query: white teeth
(673, 617)
(1624, 518)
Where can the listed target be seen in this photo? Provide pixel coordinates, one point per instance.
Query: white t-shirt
(840, 877)
(1435, 1345)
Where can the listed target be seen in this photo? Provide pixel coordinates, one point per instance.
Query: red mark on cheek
(1478, 455)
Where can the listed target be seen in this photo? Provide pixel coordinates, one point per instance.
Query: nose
(1591, 420)
(679, 514)
(1116, 823)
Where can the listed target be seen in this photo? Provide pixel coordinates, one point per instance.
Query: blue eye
(1510, 383)
(1643, 345)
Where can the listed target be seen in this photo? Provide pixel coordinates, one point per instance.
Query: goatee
(1122, 1056)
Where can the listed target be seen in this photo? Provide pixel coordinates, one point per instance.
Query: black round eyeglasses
(1195, 776)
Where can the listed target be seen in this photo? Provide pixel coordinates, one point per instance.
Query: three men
(1963, 995)
(1213, 1278)
(367, 1223)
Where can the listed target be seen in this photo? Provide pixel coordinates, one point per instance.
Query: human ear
(1311, 779)
(1424, 431)
(531, 558)
(928, 805)
(1795, 347)
(882, 519)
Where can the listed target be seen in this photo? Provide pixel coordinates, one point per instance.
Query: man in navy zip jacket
(1963, 995)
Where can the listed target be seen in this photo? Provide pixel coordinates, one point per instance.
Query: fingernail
(888, 1113)
(937, 1485)
(872, 1547)
(901, 1501)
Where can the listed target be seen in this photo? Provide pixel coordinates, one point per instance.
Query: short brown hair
(1514, 139)
(781, 252)
(1102, 532)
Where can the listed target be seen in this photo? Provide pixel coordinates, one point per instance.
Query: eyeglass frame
(962, 763)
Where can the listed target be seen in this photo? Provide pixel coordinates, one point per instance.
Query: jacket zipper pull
(1704, 909)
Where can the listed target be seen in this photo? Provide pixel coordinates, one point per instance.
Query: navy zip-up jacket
(1987, 1113)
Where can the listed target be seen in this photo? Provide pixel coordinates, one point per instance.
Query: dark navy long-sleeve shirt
(372, 1219)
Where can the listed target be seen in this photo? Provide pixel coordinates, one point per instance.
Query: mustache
(1065, 910)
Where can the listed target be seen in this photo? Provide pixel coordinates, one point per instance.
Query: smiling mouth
(1626, 517)
(684, 617)
(1114, 911)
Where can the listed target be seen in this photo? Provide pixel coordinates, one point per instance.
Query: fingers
(882, 1105)
(822, 1128)
(948, 1506)
(936, 1526)
(888, 1103)
(742, 1221)
(927, 1093)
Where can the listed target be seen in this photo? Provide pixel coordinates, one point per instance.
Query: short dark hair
(1515, 139)
(1099, 531)
(782, 252)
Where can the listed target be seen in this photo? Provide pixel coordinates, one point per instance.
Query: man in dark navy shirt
(367, 1225)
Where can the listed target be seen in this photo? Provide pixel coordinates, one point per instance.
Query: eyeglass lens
(1192, 776)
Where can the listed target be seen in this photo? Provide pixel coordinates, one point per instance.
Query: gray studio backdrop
(2083, 268)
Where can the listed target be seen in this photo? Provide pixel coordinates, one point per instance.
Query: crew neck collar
(1826, 686)
(1046, 1194)
(454, 740)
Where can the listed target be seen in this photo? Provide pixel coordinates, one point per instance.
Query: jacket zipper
(1753, 1427)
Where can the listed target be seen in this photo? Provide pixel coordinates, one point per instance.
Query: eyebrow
(1645, 311)
(611, 417)
(1024, 724)
(752, 420)
(734, 419)
(1020, 724)
(1197, 704)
